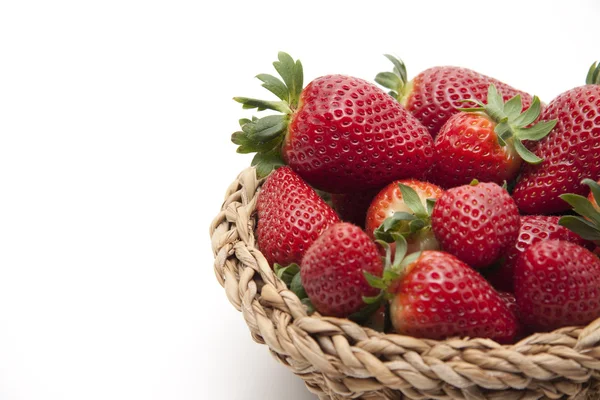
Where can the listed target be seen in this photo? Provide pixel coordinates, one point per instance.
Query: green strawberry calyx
(593, 76)
(264, 136)
(408, 225)
(396, 80)
(394, 269)
(512, 125)
(587, 223)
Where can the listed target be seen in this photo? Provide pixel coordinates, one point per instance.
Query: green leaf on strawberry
(512, 125)
(593, 76)
(587, 224)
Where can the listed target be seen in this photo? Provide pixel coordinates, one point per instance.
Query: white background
(115, 119)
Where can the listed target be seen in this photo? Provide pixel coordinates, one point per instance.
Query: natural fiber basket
(340, 359)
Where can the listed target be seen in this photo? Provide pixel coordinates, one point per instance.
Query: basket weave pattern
(339, 359)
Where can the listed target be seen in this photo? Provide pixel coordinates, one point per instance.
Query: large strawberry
(403, 206)
(477, 222)
(332, 270)
(485, 142)
(557, 284)
(339, 133)
(440, 296)
(291, 216)
(435, 94)
(534, 228)
(587, 225)
(571, 152)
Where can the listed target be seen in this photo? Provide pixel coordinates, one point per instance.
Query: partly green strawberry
(404, 207)
(436, 94)
(341, 134)
(486, 142)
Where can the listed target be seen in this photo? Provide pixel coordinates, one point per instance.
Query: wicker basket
(339, 359)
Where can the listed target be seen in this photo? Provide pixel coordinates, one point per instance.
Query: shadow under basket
(339, 359)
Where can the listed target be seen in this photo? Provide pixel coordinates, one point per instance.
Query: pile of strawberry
(454, 205)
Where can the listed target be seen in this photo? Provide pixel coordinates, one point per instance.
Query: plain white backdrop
(115, 118)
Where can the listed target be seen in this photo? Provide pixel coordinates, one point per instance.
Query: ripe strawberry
(534, 228)
(440, 296)
(291, 216)
(390, 202)
(352, 207)
(557, 284)
(571, 151)
(340, 133)
(587, 225)
(435, 94)
(484, 142)
(477, 222)
(332, 270)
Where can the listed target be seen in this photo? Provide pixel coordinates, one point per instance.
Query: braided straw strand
(339, 359)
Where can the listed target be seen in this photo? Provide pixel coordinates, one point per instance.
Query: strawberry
(533, 229)
(485, 142)
(291, 216)
(571, 151)
(477, 222)
(400, 203)
(341, 134)
(587, 225)
(352, 207)
(557, 283)
(434, 95)
(510, 300)
(332, 270)
(440, 296)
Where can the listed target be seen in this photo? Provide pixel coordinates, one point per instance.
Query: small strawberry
(435, 94)
(534, 228)
(485, 142)
(557, 284)
(352, 207)
(403, 206)
(587, 225)
(341, 134)
(477, 222)
(332, 270)
(291, 216)
(439, 296)
(571, 151)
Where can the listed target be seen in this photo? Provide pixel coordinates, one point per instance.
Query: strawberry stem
(593, 76)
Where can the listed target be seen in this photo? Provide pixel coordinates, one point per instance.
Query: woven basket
(339, 359)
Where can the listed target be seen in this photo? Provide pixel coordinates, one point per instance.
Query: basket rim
(336, 356)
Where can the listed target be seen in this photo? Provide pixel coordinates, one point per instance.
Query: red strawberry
(352, 207)
(440, 296)
(534, 228)
(435, 94)
(477, 223)
(390, 201)
(557, 284)
(340, 133)
(571, 151)
(291, 216)
(484, 142)
(332, 270)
